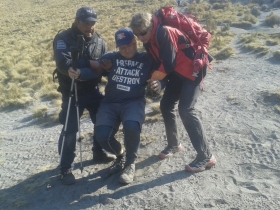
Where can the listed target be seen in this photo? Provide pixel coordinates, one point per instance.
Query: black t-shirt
(127, 78)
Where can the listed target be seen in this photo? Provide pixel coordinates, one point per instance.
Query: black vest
(92, 51)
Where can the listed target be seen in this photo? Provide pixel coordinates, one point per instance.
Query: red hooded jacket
(172, 49)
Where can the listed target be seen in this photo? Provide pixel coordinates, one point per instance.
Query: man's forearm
(95, 66)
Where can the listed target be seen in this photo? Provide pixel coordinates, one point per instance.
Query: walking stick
(75, 51)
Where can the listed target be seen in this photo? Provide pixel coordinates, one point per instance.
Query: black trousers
(185, 92)
(89, 101)
(132, 129)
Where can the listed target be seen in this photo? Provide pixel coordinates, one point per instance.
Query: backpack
(189, 26)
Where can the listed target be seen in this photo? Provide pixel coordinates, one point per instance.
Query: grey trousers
(185, 92)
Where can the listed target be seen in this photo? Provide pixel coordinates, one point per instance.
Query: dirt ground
(243, 131)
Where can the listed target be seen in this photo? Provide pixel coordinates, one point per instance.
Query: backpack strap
(157, 46)
(180, 46)
(54, 74)
(57, 34)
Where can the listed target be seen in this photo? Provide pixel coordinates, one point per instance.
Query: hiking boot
(103, 157)
(169, 151)
(67, 178)
(117, 165)
(127, 174)
(200, 164)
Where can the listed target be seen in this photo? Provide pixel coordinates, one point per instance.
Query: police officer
(87, 81)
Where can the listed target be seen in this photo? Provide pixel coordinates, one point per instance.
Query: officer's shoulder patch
(60, 45)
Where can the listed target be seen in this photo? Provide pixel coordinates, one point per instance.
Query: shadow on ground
(44, 190)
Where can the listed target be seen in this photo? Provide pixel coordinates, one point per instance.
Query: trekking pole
(80, 46)
(66, 121)
(74, 54)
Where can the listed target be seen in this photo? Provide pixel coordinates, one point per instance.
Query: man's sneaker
(127, 174)
(67, 178)
(103, 157)
(169, 151)
(200, 164)
(117, 165)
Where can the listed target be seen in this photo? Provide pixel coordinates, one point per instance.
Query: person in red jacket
(183, 86)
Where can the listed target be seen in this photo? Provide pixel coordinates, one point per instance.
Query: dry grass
(277, 109)
(155, 114)
(219, 43)
(85, 114)
(272, 42)
(256, 48)
(273, 94)
(154, 118)
(233, 100)
(250, 18)
(225, 53)
(41, 112)
(155, 108)
(147, 139)
(1, 137)
(242, 24)
(264, 8)
(1, 161)
(272, 20)
(26, 55)
(256, 11)
(273, 97)
(258, 43)
(276, 55)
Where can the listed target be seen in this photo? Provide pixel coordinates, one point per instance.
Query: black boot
(103, 157)
(67, 178)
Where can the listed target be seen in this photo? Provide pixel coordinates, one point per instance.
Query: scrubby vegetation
(155, 114)
(272, 42)
(276, 55)
(242, 24)
(225, 53)
(264, 8)
(41, 112)
(276, 4)
(272, 20)
(219, 42)
(26, 55)
(273, 96)
(255, 11)
(259, 42)
(250, 18)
